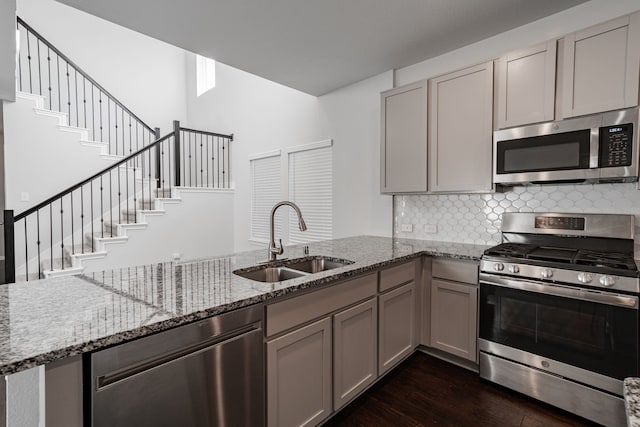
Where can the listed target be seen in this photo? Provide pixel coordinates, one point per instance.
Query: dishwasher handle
(108, 379)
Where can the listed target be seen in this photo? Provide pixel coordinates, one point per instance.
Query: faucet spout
(275, 250)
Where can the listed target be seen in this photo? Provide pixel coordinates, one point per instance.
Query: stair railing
(44, 70)
(69, 222)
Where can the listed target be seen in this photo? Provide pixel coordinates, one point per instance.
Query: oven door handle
(608, 298)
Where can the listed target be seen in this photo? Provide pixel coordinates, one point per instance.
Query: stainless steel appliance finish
(585, 149)
(209, 373)
(559, 310)
(595, 405)
(274, 249)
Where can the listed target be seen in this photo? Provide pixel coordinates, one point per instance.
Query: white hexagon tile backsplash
(476, 218)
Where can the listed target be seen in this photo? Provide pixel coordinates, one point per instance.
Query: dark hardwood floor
(428, 391)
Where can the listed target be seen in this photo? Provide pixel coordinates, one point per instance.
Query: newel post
(176, 157)
(156, 132)
(9, 248)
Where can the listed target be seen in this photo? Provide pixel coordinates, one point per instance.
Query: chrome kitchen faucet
(275, 250)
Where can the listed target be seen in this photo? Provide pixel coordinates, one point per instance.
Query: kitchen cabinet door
(454, 318)
(403, 139)
(461, 130)
(602, 67)
(526, 86)
(299, 376)
(396, 323)
(355, 343)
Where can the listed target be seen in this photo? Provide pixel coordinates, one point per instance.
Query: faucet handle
(278, 249)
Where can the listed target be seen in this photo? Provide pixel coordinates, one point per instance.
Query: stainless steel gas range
(559, 311)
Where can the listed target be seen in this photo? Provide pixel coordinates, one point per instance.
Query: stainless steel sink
(270, 274)
(290, 269)
(317, 265)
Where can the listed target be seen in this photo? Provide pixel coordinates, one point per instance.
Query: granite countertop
(631, 392)
(46, 320)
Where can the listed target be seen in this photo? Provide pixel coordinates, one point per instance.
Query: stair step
(37, 99)
(62, 117)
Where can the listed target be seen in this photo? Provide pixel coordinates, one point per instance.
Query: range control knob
(514, 269)
(546, 273)
(607, 281)
(584, 278)
(498, 266)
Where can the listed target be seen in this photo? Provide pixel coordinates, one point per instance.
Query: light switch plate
(407, 228)
(430, 228)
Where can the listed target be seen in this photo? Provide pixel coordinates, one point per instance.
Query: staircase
(143, 178)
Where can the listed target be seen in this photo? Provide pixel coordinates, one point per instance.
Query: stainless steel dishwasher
(208, 373)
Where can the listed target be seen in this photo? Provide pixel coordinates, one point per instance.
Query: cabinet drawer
(298, 310)
(398, 275)
(456, 270)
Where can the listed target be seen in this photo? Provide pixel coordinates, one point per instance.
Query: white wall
(197, 227)
(31, 142)
(353, 116)
(146, 75)
(7, 50)
(262, 115)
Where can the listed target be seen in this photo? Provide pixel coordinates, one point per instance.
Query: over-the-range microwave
(596, 148)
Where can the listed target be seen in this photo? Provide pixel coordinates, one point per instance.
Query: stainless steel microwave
(596, 148)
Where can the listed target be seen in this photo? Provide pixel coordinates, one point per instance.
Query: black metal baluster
(119, 205)
(93, 113)
(130, 136)
(109, 124)
(223, 166)
(82, 219)
(51, 233)
(38, 242)
(73, 249)
(149, 178)
(102, 209)
(190, 161)
(92, 239)
(201, 176)
(111, 201)
(19, 68)
(169, 164)
(49, 73)
(101, 136)
(176, 150)
(29, 62)
(58, 78)
(39, 71)
(158, 166)
(68, 95)
(77, 104)
(208, 173)
(84, 99)
(26, 249)
(61, 233)
(218, 156)
(137, 146)
(122, 121)
(126, 170)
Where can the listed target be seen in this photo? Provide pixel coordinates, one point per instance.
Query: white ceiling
(317, 46)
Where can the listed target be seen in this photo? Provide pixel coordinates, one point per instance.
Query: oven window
(563, 151)
(597, 337)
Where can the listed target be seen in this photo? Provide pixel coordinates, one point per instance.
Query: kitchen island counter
(46, 320)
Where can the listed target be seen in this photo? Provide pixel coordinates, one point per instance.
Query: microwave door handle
(594, 147)
(564, 291)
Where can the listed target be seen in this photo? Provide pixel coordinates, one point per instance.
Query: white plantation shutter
(310, 187)
(265, 193)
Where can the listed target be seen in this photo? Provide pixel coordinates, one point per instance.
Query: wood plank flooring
(426, 391)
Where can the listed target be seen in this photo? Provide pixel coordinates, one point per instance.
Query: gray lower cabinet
(454, 308)
(355, 344)
(299, 376)
(396, 325)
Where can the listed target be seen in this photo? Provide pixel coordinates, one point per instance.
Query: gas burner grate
(623, 261)
(515, 250)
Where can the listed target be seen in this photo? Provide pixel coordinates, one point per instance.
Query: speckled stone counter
(46, 320)
(631, 393)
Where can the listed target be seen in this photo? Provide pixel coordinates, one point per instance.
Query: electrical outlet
(24, 196)
(408, 228)
(430, 228)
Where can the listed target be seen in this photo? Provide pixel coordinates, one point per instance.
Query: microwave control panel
(616, 145)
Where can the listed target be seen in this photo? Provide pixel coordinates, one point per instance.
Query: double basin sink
(290, 269)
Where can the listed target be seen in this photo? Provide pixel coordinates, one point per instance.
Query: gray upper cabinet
(601, 67)
(526, 86)
(403, 133)
(461, 130)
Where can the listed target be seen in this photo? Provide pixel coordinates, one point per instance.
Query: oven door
(592, 330)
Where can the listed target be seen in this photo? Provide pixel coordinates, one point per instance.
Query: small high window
(205, 74)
